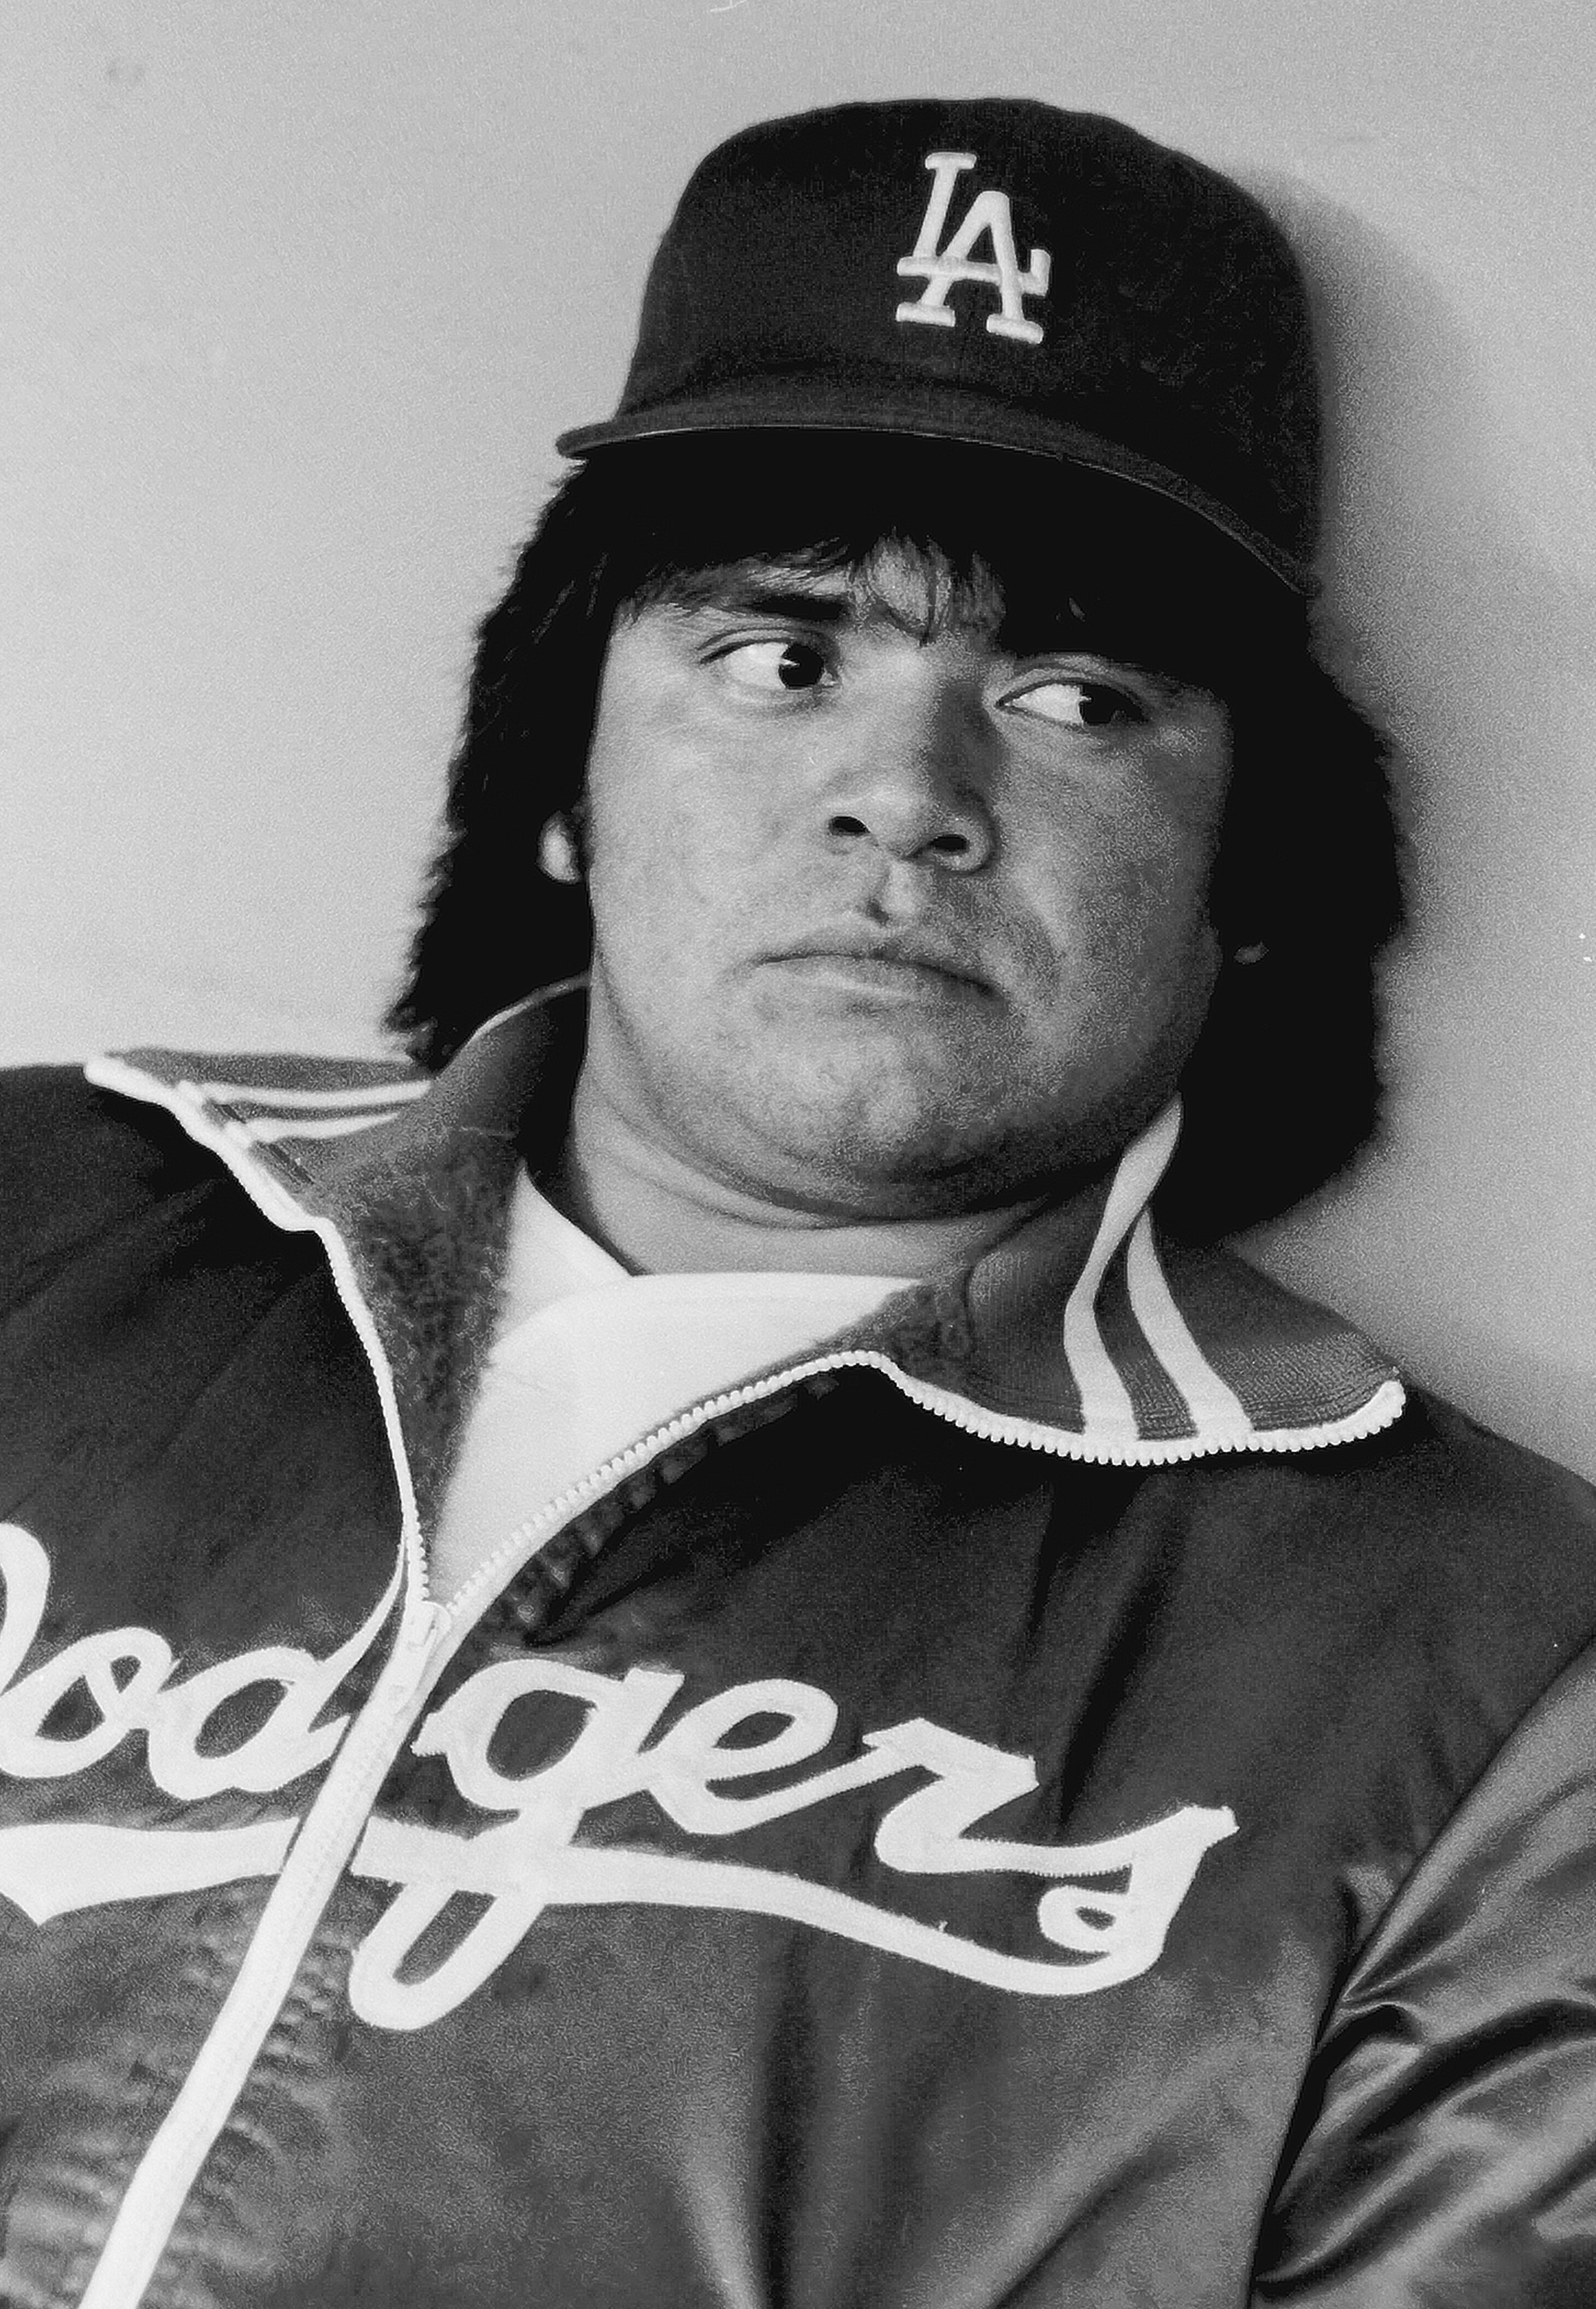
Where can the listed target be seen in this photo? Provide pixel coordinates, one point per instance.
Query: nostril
(848, 825)
(950, 845)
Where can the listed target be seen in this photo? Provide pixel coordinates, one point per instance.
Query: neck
(659, 1215)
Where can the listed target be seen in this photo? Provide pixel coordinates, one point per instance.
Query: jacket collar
(1134, 1352)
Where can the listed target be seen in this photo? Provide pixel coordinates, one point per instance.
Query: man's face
(890, 921)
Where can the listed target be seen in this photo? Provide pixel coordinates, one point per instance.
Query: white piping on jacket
(265, 1129)
(1105, 1398)
(1215, 1409)
(226, 1093)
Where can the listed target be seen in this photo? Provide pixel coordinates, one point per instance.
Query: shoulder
(1436, 1452)
(74, 1159)
(1434, 1562)
(1435, 1466)
(1497, 1527)
(1423, 1468)
(87, 1155)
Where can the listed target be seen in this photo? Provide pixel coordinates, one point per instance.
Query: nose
(913, 781)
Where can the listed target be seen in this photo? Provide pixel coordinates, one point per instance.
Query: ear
(558, 855)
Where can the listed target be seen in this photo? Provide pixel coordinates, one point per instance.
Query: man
(680, 1658)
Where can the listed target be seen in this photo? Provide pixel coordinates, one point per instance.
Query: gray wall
(294, 295)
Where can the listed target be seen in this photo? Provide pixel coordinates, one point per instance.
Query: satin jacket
(1077, 1793)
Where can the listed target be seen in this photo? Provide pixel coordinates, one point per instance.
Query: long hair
(1283, 1085)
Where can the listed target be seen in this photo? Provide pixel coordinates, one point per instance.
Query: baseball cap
(993, 271)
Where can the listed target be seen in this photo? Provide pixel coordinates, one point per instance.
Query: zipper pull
(426, 1623)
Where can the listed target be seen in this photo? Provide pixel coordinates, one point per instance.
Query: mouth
(913, 964)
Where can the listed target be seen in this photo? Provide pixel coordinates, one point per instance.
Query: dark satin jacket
(1078, 1793)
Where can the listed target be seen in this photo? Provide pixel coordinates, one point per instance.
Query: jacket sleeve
(1445, 2153)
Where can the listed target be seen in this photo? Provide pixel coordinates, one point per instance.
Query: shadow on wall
(1467, 1239)
(1469, 645)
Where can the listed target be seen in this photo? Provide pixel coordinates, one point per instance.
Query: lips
(910, 953)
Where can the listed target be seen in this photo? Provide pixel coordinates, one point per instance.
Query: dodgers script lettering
(1107, 1908)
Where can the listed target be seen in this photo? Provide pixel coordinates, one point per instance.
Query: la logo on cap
(940, 269)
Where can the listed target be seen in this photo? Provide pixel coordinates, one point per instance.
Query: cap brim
(969, 419)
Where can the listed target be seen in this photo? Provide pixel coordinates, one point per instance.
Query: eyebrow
(752, 596)
(824, 597)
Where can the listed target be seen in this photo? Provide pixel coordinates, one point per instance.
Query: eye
(776, 665)
(1075, 704)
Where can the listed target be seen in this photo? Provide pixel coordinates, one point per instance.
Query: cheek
(636, 790)
(666, 869)
(686, 821)
(1163, 844)
(1124, 897)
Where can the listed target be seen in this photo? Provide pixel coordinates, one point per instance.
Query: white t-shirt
(589, 1359)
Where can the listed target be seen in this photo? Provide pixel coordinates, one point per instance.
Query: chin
(887, 1148)
(926, 1129)
(869, 1093)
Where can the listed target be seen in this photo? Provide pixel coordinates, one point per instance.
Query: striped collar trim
(1140, 1354)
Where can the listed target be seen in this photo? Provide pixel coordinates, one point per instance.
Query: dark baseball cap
(994, 271)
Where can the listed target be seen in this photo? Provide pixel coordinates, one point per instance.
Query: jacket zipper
(496, 1569)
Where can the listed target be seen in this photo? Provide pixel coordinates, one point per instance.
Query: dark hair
(1282, 1087)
